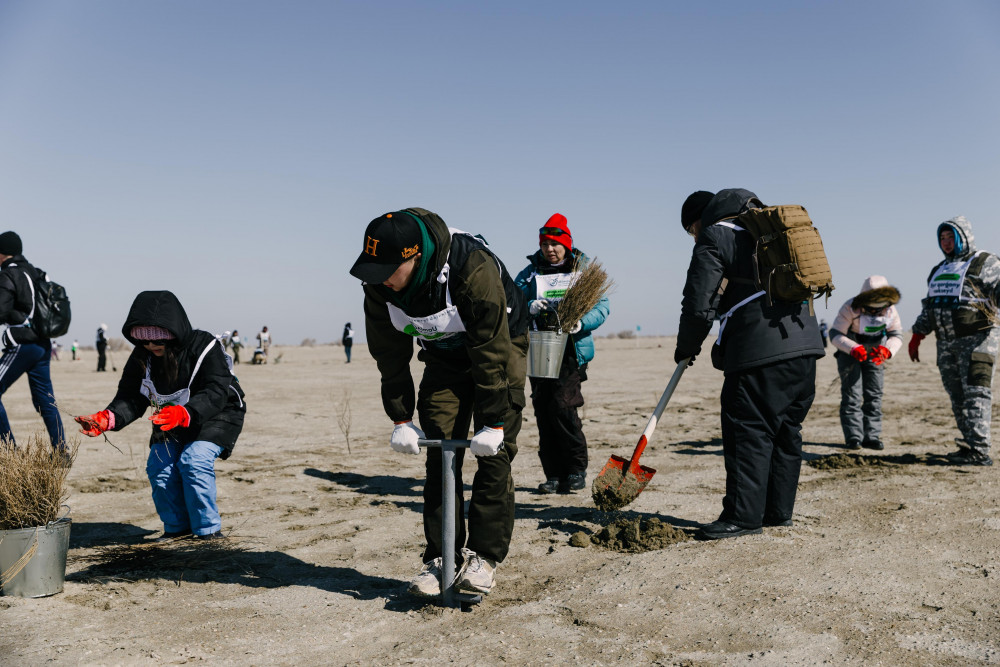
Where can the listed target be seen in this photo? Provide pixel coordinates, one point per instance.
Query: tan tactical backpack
(789, 261)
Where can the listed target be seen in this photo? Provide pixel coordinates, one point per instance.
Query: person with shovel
(198, 410)
(562, 445)
(960, 309)
(866, 333)
(447, 290)
(768, 351)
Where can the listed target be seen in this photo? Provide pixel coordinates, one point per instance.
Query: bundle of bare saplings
(593, 285)
(32, 482)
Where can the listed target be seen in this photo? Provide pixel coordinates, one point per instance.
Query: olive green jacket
(477, 284)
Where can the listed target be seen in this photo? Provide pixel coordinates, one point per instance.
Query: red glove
(880, 354)
(171, 416)
(859, 353)
(915, 346)
(96, 424)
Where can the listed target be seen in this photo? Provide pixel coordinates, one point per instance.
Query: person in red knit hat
(552, 269)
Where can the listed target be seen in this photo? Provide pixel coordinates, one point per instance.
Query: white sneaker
(427, 584)
(478, 574)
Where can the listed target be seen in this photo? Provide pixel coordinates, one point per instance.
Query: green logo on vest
(948, 276)
(412, 330)
(554, 294)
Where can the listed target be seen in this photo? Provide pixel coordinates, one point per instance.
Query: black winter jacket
(16, 302)
(756, 334)
(216, 404)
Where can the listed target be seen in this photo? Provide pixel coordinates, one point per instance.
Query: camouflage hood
(965, 242)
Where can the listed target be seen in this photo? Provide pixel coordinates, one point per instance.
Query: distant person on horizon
(866, 333)
(960, 309)
(198, 410)
(74, 348)
(446, 290)
(236, 344)
(768, 352)
(823, 331)
(264, 340)
(55, 350)
(552, 269)
(101, 343)
(347, 340)
(24, 351)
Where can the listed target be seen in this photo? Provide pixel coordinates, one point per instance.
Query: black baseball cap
(389, 241)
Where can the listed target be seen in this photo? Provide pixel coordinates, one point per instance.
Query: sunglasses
(156, 342)
(552, 231)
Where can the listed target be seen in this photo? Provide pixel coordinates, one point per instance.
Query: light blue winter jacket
(583, 342)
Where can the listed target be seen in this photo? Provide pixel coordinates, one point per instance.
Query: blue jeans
(34, 360)
(183, 481)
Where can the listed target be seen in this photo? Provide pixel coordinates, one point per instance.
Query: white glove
(404, 438)
(487, 441)
(538, 305)
(576, 327)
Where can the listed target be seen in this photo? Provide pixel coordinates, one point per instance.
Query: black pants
(445, 404)
(562, 446)
(762, 413)
(102, 358)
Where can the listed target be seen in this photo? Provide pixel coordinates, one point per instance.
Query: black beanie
(693, 206)
(10, 244)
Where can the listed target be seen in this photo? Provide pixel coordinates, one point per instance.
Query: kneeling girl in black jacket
(184, 375)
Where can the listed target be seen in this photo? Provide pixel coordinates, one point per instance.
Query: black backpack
(50, 315)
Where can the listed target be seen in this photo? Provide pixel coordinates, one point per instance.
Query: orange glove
(915, 346)
(880, 354)
(171, 416)
(859, 353)
(96, 424)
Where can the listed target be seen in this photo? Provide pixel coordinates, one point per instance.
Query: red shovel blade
(620, 482)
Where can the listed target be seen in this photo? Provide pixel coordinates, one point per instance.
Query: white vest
(945, 286)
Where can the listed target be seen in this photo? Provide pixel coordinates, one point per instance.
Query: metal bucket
(33, 560)
(545, 353)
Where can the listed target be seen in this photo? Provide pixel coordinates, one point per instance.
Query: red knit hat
(549, 231)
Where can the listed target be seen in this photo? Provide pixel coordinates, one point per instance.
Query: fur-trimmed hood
(876, 291)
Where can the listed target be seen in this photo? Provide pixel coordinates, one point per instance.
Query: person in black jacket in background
(101, 343)
(198, 410)
(24, 351)
(768, 353)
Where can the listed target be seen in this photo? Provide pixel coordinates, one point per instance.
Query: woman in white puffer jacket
(866, 333)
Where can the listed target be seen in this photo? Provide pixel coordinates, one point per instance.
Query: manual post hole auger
(449, 596)
(622, 480)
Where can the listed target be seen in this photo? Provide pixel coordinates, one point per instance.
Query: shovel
(622, 480)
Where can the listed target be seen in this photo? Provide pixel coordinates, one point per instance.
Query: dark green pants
(445, 407)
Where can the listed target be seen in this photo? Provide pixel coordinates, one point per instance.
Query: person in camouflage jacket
(961, 310)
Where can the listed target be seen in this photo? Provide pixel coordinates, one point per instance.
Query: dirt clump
(579, 539)
(613, 491)
(842, 461)
(636, 535)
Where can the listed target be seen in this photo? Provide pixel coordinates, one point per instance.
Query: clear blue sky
(233, 152)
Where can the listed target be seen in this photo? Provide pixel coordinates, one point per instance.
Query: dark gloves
(690, 335)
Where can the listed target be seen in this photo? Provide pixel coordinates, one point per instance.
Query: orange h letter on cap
(370, 246)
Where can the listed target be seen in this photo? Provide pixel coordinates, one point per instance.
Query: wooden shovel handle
(657, 413)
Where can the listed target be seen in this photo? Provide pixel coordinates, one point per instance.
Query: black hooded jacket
(757, 333)
(16, 301)
(216, 404)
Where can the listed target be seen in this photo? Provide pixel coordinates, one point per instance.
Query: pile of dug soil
(634, 535)
(841, 461)
(612, 491)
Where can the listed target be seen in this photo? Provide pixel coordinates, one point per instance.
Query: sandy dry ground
(891, 565)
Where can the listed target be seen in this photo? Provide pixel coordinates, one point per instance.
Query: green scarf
(421, 271)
